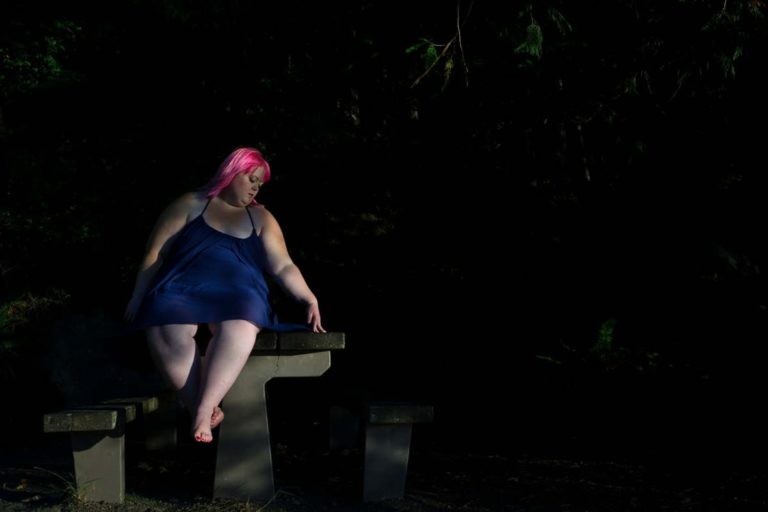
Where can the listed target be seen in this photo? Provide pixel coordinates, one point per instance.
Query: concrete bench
(244, 457)
(97, 434)
(98, 448)
(384, 428)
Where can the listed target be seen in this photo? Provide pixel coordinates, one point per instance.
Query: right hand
(131, 309)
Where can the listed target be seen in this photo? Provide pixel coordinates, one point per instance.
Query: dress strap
(250, 217)
(206, 206)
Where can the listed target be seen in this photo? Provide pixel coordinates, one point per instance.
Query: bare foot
(203, 434)
(202, 430)
(217, 417)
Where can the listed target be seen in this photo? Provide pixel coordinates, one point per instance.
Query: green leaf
(534, 40)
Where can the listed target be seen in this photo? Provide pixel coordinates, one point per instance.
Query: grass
(314, 481)
(36, 475)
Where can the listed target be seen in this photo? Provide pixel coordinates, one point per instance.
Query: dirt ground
(36, 475)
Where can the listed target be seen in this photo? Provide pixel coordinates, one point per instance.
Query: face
(244, 187)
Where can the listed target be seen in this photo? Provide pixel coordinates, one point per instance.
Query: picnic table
(244, 457)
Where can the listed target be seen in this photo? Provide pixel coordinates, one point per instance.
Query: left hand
(313, 317)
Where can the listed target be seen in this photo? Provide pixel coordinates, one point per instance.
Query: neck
(229, 203)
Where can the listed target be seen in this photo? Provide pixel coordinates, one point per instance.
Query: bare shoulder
(261, 211)
(187, 206)
(175, 216)
(262, 218)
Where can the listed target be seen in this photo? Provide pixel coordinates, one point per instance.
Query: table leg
(244, 457)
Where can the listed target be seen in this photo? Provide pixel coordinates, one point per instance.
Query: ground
(36, 475)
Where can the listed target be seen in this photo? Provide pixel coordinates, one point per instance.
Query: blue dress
(210, 276)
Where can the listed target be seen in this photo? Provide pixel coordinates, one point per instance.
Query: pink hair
(240, 161)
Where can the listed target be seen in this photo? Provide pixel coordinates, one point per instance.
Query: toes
(203, 437)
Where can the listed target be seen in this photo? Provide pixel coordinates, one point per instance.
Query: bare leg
(227, 353)
(218, 415)
(174, 351)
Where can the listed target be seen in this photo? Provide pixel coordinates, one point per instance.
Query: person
(207, 262)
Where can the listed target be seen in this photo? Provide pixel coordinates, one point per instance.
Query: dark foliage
(544, 204)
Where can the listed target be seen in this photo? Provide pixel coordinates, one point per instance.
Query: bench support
(98, 448)
(244, 457)
(100, 465)
(386, 461)
(388, 427)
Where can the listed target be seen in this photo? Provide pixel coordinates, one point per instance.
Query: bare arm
(284, 270)
(170, 222)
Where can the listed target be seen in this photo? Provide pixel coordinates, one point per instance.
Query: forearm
(292, 281)
(144, 278)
